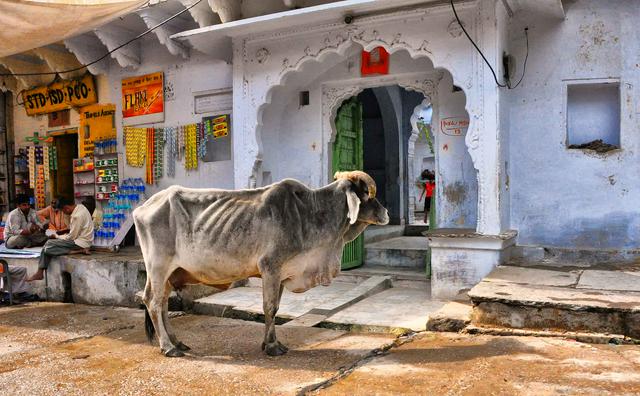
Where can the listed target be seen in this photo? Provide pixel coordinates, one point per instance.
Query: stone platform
(601, 298)
(361, 301)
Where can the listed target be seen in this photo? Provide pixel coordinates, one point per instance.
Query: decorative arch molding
(262, 63)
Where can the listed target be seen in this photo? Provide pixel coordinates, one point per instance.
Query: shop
(129, 136)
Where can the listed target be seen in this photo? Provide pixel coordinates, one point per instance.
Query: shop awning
(28, 24)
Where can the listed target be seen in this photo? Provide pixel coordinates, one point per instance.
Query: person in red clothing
(429, 179)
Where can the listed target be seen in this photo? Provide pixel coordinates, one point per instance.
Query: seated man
(79, 239)
(58, 221)
(23, 228)
(19, 286)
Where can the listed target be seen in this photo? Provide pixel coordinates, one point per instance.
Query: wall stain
(455, 193)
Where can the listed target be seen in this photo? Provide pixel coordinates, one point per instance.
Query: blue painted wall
(572, 198)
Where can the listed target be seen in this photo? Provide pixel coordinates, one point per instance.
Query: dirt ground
(61, 349)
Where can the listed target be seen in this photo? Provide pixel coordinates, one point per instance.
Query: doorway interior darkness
(386, 113)
(67, 149)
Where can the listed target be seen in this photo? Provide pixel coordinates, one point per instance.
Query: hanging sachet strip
(135, 145)
(191, 155)
(46, 160)
(32, 166)
(158, 153)
(150, 155)
(204, 138)
(170, 137)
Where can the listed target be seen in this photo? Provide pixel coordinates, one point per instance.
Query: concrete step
(415, 230)
(556, 299)
(400, 277)
(246, 302)
(379, 233)
(407, 252)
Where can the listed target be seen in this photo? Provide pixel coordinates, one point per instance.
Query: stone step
(379, 233)
(400, 277)
(598, 301)
(407, 252)
(246, 302)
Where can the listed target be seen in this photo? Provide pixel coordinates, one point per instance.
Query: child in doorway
(428, 178)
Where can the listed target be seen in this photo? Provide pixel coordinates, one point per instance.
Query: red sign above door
(375, 61)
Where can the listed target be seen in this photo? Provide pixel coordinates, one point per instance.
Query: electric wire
(524, 67)
(84, 66)
(495, 78)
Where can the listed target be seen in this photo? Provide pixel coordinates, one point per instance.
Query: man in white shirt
(78, 240)
(23, 228)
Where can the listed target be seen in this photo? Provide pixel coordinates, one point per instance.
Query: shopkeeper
(58, 220)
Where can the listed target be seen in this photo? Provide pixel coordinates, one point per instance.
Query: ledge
(466, 238)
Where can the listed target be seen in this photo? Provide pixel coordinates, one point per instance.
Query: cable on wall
(495, 78)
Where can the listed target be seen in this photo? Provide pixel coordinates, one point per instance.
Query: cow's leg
(171, 332)
(157, 301)
(271, 293)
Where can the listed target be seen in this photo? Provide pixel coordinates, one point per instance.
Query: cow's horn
(354, 176)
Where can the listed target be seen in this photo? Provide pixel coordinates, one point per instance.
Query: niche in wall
(593, 115)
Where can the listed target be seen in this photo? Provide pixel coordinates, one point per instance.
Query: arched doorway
(297, 137)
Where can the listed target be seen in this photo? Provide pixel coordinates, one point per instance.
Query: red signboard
(375, 61)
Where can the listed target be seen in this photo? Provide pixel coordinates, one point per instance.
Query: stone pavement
(65, 349)
(601, 299)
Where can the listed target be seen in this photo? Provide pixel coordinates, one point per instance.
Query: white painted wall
(183, 77)
(569, 198)
(292, 138)
(456, 183)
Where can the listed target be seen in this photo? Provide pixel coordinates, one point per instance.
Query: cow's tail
(148, 326)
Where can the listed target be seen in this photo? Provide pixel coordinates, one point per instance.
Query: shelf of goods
(83, 181)
(116, 214)
(108, 168)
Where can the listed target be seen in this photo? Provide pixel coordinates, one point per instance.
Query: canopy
(28, 24)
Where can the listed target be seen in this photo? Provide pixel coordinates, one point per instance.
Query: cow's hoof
(274, 349)
(182, 347)
(174, 352)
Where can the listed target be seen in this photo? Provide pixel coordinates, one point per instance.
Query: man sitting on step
(78, 240)
(23, 228)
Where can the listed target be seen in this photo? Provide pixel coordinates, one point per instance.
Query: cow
(286, 233)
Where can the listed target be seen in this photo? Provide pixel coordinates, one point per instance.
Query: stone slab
(395, 308)
(401, 243)
(533, 276)
(558, 297)
(610, 280)
(292, 305)
(379, 233)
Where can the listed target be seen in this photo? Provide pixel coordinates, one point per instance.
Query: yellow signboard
(97, 122)
(60, 95)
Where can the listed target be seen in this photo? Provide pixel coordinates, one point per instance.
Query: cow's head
(362, 204)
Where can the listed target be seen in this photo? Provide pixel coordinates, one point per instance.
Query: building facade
(512, 169)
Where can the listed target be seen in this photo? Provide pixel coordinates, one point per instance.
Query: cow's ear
(353, 204)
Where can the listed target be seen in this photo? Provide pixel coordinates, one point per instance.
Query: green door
(348, 156)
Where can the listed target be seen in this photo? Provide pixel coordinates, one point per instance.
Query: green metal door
(348, 156)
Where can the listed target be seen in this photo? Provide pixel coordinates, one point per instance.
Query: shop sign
(143, 99)
(97, 122)
(454, 126)
(375, 61)
(60, 95)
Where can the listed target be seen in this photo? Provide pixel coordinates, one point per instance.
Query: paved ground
(59, 349)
